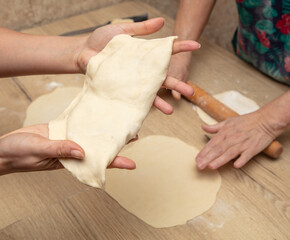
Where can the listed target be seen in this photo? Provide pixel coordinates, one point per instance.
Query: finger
(179, 86)
(211, 151)
(213, 128)
(244, 158)
(60, 149)
(143, 28)
(176, 95)
(122, 163)
(184, 46)
(163, 106)
(203, 160)
(229, 155)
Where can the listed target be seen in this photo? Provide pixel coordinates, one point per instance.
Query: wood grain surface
(253, 202)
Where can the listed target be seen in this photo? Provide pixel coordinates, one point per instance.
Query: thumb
(61, 149)
(143, 28)
(122, 163)
(213, 128)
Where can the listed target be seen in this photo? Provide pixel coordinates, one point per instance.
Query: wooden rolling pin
(220, 112)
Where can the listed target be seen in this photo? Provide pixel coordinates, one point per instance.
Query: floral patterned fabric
(263, 36)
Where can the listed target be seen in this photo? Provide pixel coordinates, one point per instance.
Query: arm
(245, 136)
(191, 19)
(25, 54)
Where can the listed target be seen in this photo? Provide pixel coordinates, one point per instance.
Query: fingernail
(199, 45)
(77, 154)
(190, 94)
(200, 165)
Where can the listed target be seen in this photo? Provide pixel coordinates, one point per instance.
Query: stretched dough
(234, 100)
(49, 106)
(165, 189)
(120, 86)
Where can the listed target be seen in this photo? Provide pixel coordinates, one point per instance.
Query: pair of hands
(29, 149)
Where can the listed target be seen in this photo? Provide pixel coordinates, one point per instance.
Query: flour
(234, 100)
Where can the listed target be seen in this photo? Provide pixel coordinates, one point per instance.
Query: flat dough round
(166, 189)
(50, 106)
(234, 100)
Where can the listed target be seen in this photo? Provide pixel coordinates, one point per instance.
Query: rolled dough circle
(165, 189)
(49, 106)
(234, 100)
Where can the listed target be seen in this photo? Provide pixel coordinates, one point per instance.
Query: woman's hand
(242, 137)
(93, 44)
(179, 69)
(245, 136)
(29, 149)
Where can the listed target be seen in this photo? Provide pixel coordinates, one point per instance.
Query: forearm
(277, 114)
(25, 54)
(192, 17)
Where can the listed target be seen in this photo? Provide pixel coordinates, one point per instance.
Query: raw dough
(120, 86)
(49, 106)
(234, 100)
(165, 189)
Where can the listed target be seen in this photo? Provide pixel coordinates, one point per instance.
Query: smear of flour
(220, 213)
(17, 114)
(12, 114)
(53, 85)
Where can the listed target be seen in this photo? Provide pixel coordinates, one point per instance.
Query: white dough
(49, 106)
(234, 100)
(120, 86)
(165, 189)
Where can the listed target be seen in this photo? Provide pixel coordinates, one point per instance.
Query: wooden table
(253, 202)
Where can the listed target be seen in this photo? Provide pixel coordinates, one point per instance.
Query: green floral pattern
(263, 36)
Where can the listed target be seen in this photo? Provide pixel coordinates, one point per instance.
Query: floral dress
(263, 36)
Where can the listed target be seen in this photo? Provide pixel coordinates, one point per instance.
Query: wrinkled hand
(101, 36)
(242, 137)
(29, 149)
(179, 69)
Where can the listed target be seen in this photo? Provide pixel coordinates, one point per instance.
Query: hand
(179, 69)
(29, 149)
(242, 137)
(94, 43)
